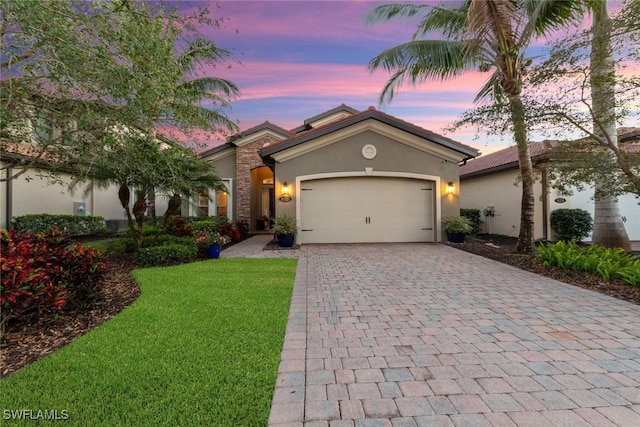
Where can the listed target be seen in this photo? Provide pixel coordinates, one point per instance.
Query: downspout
(9, 195)
(545, 204)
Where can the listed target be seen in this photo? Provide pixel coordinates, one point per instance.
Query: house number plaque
(369, 151)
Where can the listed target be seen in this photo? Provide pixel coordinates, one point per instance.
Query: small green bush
(72, 225)
(147, 230)
(571, 224)
(178, 226)
(473, 215)
(216, 218)
(209, 227)
(609, 263)
(167, 254)
(119, 247)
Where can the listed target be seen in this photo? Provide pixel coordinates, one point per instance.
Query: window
(221, 203)
(203, 204)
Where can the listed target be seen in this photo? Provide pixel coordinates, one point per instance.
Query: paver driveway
(426, 335)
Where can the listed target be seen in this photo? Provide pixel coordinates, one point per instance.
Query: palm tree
(484, 35)
(608, 228)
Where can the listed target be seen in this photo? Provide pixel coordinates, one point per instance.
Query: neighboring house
(36, 191)
(345, 175)
(490, 183)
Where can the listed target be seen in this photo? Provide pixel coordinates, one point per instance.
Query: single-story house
(490, 183)
(346, 176)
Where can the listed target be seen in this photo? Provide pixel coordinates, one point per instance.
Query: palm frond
(491, 90)
(450, 23)
(200, 50)
(545, 15)
(197, 88)
(387, 12)
(417, 61)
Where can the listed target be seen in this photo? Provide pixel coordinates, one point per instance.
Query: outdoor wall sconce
(285, 194)
(451, 188)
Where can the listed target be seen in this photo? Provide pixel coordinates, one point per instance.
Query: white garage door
(366, 209)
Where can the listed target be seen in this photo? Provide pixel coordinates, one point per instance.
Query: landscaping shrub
(147, 230)
(74, 225)
(226, 229)
(217, 219)
(609, 263)
(209, 226)
(571, 224)
(167, 254)
(178, 226)
(473, 215)
(43, 273)
(242, 225)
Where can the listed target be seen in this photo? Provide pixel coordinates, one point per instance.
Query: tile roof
(369, 113)
(507, 158)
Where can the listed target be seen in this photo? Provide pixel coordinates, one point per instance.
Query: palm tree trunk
(608, 228)
(527, 206)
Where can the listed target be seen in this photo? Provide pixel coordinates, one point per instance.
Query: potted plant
(211, 243)
(285, 229)
(457, 227)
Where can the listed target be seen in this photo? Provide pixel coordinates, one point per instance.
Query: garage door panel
(366, 209)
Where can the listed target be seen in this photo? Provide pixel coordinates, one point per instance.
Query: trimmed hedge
(473, 215)
(571, 224)
(167, 254)
(74, 225)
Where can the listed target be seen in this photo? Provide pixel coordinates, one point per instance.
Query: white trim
(228, 182)
(370, 172)
(220, 155)
(385, 130)
(256, 136)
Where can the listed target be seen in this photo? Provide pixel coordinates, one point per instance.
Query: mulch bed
(502, 249)
(23, 344)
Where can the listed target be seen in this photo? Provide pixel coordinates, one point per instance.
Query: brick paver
(426, 335)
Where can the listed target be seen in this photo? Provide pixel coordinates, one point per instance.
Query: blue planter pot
(286, 240)
(214, 251)
(456, 237)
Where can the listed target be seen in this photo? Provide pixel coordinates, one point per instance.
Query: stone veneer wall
(247, 158)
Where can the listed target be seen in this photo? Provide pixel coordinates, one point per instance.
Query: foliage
(46, 52)
(206, 240)
(457, 224)
(610, 263)
(284, 224)
(473, 215)
(571, 224)
(146, 231)
(231, 317)
(207, 225)
(166, 254)
(242, 225)
(42, 272)
(178, 226)
(73, 225)
(485, 35)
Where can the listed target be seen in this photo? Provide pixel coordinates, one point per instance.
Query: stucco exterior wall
(33, 194)
(628, 204)
(502, 191)
(346, 156)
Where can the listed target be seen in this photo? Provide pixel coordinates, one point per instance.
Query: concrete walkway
(426, 335)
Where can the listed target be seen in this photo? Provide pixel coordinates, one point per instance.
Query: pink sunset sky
(295, 59)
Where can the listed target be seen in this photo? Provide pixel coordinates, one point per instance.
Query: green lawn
(201, 346)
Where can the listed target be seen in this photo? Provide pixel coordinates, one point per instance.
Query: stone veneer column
(247, 158)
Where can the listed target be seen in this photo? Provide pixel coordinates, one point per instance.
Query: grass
(201, 346)
(100, 244)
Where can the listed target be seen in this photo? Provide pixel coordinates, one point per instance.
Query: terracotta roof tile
(508, 157)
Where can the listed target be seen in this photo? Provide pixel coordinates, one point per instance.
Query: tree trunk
(608, 228)
(527, 206)
(124, 194)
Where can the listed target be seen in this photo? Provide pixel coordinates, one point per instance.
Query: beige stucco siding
(502, 191)
(33, 194)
